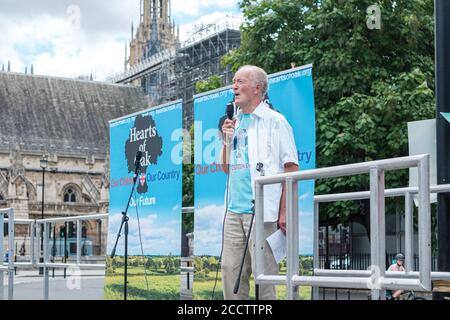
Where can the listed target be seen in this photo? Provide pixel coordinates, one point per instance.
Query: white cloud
(156, 238)
(55, 47)
(50, 36)
(306, 244)
(173, 223)
(210, 216)
(196, 7)
(208, 229)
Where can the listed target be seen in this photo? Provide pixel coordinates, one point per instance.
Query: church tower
(155, 32)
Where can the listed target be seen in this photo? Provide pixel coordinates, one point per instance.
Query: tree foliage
(213, 82)
(188, 170)
(204, 266)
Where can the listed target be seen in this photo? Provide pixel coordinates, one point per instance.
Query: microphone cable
(223, 223)
(140, 241)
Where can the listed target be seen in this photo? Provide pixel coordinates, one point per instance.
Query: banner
(291, 93)
(422, 140)
(154, 241)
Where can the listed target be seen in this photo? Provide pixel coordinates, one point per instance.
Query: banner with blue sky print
(154, 241)
(291, 93)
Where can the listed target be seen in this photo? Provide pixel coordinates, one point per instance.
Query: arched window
(70, 195)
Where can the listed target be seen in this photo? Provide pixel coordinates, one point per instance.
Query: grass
(161, 287)
(167, 287)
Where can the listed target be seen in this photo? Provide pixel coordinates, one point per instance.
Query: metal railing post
(78, 241)
(11, 252)
(2, 285)
(424, 223)
(292, 236)
(46, 257)
(259, 230)
(377, 230)
(316, 262)
(46, 239)
(409, 233)
(39, 232)
(32, 243)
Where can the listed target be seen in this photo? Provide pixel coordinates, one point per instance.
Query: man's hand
(282, 219)
(288, 167)
(228, 130)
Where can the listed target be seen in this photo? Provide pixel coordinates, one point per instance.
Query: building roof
(66, 116)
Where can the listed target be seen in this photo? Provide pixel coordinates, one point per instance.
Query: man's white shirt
(270, 142)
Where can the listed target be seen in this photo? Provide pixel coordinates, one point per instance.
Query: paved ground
(86, 285)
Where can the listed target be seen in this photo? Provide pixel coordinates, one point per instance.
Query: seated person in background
(397, 266)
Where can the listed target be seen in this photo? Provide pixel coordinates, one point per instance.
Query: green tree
(117, 262)
(213, 82)
(110, 268)
(169, 264)
(212, 262)
(368, 83)
(188, 175)
(198, 263)
(150, 263)
(198, 268)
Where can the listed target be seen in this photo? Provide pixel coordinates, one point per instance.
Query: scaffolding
(172, 74)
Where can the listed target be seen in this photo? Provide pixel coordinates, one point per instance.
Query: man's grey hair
(259, 77)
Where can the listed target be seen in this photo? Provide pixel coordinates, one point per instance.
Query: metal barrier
(9, 267)
(409, 232)
(43, 226)
(374, 279)
(361, 261)
(32, 224)
(44, 223)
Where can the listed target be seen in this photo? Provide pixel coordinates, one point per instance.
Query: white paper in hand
(277, 242)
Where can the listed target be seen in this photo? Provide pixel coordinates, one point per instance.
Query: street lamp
(43, 164)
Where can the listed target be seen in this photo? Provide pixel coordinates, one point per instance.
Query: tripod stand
(124, 224)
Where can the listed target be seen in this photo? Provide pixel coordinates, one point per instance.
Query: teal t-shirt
(240, 190)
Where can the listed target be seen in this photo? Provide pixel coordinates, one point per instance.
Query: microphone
(230, 110)
(230, 113)
(137, 162)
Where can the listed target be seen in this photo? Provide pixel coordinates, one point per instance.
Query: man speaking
(257, 141)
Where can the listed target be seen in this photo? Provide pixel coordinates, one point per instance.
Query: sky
(70, 38)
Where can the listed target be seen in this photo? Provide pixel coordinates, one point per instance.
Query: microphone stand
(238, 280)
(122, 224)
